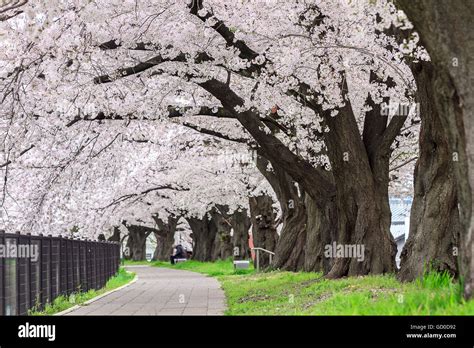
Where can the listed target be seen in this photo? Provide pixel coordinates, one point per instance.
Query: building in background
(400, 226)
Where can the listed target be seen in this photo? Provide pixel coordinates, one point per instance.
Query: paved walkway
(161, 291)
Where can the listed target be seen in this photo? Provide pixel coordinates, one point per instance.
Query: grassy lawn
(217, 268)
(214, 269)
(62, 303)
(134, 263)
(286, 293)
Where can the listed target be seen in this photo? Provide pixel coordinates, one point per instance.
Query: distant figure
(179, 254)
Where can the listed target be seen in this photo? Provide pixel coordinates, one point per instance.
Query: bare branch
(173, 112)
(404, 164)
(21, 154)
(143, 193)
(215, 133)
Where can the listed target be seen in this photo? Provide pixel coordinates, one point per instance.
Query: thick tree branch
(150, 63)
(316, 181)
(393, 129)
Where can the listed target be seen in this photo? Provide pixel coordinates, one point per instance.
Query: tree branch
(173, 112)
(215, 133)
(403, 164)
(21, 154)
(143, 193)
(150, 63)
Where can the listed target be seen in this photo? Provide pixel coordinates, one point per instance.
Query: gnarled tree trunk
(264, 231)
(446, 30)
(434, 220)
(321, 231)
(115, 237)
(164, 237)
(203, 235)
(360, 168)
(136, 242)
(241, 223)
(222, 248)
(289, 250)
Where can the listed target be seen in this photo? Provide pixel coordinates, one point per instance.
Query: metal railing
(54, 266)
(257, 256)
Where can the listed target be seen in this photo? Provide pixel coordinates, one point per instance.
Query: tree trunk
(360, 169)
(164, 247)
(136, 242)
(434, 220)
(446, 30)
(321, 231)
(222, 243)
(241, 223)
(203, 235)
(290, 248)
(264, 231)
(164, 237)
(115, 237)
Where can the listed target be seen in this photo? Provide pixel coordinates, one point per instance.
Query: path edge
(73, 308)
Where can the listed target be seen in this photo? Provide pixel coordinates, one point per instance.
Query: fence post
(84, 257)
(99, 264)
(73, 264)
(24, 279)
(88, 264)
(100, 247)
(102, 250)
(119, 255)
(105, 262)
(36, 270)
(80, 247)
(17, 276)
(76, 264)
(63, 265)
(70, 266)
(43, 256)
(94, 271)
(56, 280)
(109, 260)
(49, 281)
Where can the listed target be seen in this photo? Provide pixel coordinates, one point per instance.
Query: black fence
(45, 267)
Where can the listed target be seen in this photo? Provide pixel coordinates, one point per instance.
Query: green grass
(217, 268)
(135, 263)
(62, 302)
(303, 293)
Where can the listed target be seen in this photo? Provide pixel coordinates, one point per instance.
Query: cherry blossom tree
(309, 86)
